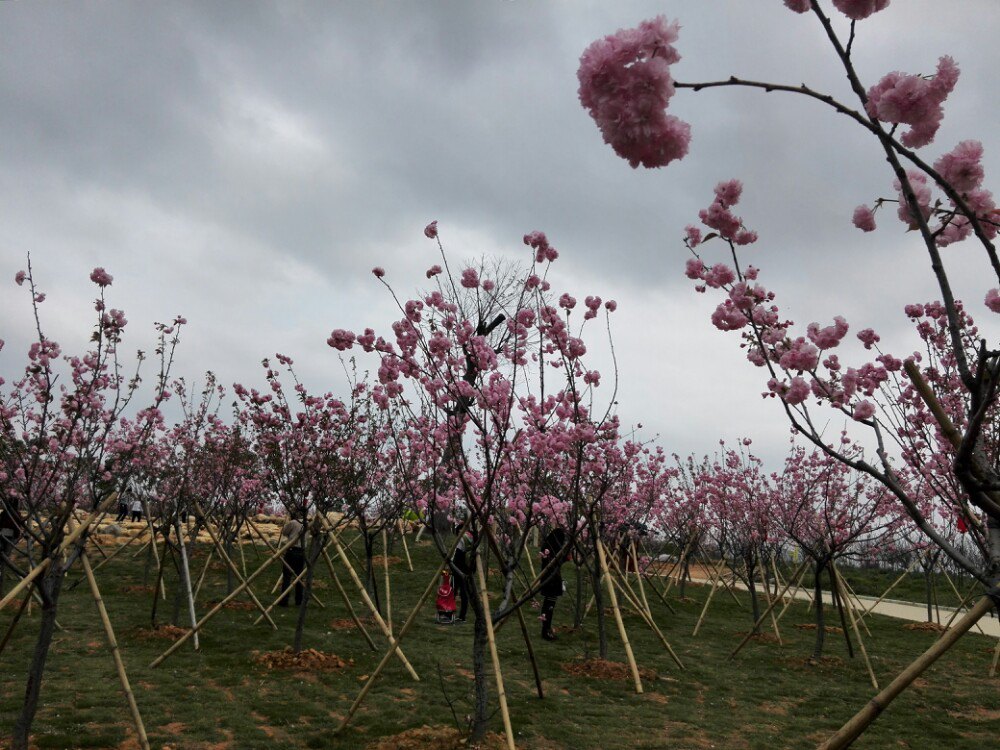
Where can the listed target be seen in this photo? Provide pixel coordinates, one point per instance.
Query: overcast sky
(247, 164)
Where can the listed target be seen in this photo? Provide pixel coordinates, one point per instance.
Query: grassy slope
(769, 697)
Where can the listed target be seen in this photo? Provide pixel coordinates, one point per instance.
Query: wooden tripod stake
(501, 693)
(633, 668)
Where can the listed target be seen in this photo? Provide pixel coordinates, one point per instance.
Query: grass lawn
(770, 696)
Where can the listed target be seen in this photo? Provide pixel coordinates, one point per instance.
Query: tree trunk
(754, 602)
(820, 619)
(578, 617)
(930, 596)
(49, 589)
(602, 629)
(370, 583)
(315, 547)
(480, 644)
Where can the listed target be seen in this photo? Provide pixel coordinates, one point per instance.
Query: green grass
(770, 696)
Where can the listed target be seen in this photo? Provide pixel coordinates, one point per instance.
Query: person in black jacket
(554, 548)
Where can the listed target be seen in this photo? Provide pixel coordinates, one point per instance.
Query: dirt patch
(761, 637)
(976, 714)
(240, 604)
(824, 662)
(435, 738)
(346, 623)
(169, 632)
(602, 669)
(307, 660)
(137, 589)
(812, 626)
(928, 627)
(377, 560)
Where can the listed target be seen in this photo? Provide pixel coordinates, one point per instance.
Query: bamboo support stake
(66, 543)
(996, 659)
(676, 565)
(371, 606)
(204, 571)
(243, 558)
(394, 641)
(760, 619)
(863, 718)
(531, 653)
(385, 576)
(854, 625)
(767, 600)
(232, 566)
(630, 595)
(704, 610)
(602, 559)
(962, 602)
(186, 582)
(878, 601)
(285, 592)
(109, 633)
(852, 595)
(218, 607)
(803, 569)
(406, 547)
(494, 655)
(347, 601)
(638, 575)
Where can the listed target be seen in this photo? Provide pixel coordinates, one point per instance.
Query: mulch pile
(812, 626)
(170, 632)
(308, 659)
(436, 738)
(602, 669)
(931, 627)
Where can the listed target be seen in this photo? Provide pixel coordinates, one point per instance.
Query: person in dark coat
(554, 547)
(463, 565)
(294, 561)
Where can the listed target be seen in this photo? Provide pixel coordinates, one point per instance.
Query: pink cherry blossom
(470, 278)
(962, 167)
(799, 6)
(863, 410)
(913, 100)
(625, 84)
(101, 277)
(864, 218)
(858, 10)
(378, 272)
(19, 277)
(431, 230)
(433, 271)
(993, 300)
(341, 340)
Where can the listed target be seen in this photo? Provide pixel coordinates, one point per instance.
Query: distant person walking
(136, 509)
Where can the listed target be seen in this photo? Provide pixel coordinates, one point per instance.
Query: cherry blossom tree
(497, 426)
(626, 84)
(68, 441)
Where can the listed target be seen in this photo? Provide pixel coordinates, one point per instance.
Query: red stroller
(445, 601)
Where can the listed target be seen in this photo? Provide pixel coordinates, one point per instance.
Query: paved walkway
(988, 625)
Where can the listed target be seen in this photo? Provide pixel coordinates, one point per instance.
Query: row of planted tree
(483, 414)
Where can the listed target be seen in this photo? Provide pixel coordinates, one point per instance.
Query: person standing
(294, 560)
(462, 566)
(136, 509)
(553, 555)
